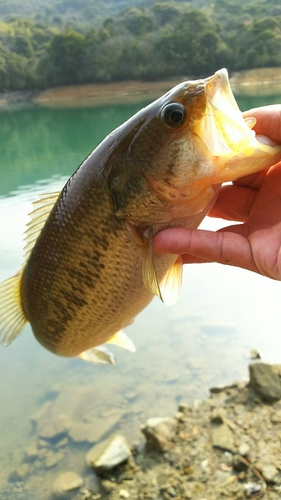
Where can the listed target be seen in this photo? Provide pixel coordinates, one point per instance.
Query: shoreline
(225, 446)
(262, 81)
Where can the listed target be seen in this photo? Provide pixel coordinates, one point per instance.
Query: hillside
(73, 42)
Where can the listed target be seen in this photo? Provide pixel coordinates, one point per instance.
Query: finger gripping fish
(89, 265)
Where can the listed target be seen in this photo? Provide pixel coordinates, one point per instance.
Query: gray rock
(159, 432)
(66, 482)
(269, 473)
(108, 453)
(222, 437)
(265, 381)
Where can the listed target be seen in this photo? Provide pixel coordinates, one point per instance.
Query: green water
(204, 340)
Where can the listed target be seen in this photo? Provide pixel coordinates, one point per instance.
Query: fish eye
(174, 115)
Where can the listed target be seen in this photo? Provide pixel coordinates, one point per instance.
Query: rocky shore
(227, 446)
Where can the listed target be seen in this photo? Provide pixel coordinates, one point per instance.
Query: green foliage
(63, 62)
(66, 42)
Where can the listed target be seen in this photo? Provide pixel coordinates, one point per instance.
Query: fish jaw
(231, 144)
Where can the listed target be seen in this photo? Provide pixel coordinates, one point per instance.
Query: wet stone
(66, 482)
(107, 454)
(265, 381)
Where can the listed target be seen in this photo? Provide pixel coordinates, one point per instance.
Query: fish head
(185, 144)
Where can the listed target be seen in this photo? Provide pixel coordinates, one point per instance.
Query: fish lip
(217, 85)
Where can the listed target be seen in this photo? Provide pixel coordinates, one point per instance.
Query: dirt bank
(261, 81)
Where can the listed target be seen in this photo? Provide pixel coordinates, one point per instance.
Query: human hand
(255, 201)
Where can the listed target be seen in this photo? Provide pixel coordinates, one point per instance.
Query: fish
(89, 266)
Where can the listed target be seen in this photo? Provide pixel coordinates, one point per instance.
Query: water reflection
(37, 143)
(204, 340)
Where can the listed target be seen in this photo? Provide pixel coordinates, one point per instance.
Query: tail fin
(12, 317)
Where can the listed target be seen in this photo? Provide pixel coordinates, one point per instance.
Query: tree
(64, 60)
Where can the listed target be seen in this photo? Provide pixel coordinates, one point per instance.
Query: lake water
(182, 351)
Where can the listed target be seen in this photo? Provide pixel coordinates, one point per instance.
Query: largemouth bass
(89, 266)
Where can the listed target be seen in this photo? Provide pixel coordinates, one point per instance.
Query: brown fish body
(83, 280)
(92, 269)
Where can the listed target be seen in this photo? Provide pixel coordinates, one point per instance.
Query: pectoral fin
(171, 284)
(122, 340)
(99, 355)
(149, 276)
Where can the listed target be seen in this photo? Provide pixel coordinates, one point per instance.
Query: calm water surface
(181, 351)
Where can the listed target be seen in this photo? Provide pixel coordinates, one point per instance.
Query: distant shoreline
(262, 81)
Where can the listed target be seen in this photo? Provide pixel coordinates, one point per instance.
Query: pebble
(66, 482)
(269, 473)
(159, 432)
(124, 494)
(109, 453)
(244, 449)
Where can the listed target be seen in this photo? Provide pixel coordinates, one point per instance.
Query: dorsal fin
(12, 317)
(42, 209)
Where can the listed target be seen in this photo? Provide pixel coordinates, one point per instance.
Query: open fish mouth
(224, 131)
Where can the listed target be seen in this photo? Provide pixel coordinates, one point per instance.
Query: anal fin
(122, 340)
(99, 355)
